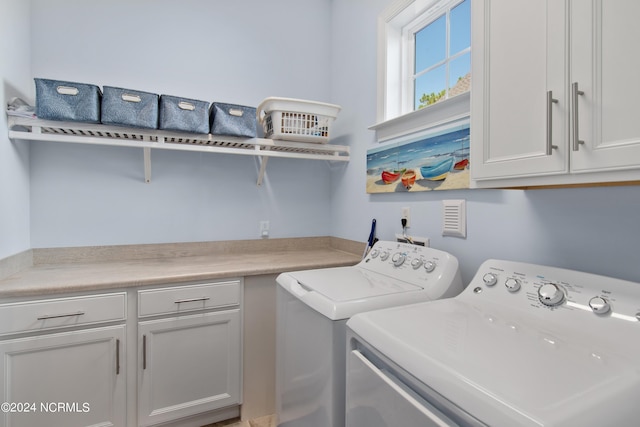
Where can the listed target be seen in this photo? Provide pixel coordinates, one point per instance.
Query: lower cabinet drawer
(61, 312)
(185, 298)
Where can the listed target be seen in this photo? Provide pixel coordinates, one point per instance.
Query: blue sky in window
(430, 45)
(460, 27)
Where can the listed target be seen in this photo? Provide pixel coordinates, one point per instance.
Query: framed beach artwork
(436, 158)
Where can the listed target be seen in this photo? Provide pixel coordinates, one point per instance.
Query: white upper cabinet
(554, 92)
(605, 64)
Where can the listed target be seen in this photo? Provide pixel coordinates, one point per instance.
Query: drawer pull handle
(56, 316)
(192, 300)
(144, 352)
(117, 357)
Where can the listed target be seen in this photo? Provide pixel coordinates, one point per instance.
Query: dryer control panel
(528, 287)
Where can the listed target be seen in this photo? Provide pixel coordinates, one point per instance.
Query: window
(424, 57)
(440, 51)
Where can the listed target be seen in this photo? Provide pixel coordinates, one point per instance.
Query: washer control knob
(550, 294)
(429, 266)
(512, 284)
(416, 263)
(398, 259)
(599, 305)
(384, 255)
(490, 279)
(375, 253)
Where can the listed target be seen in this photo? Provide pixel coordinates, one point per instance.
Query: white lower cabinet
(65, 361)
(74, 378)
(189, 351)
(188, 365)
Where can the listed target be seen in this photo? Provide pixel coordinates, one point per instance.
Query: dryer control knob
(550, 294)
(490, 279)
(384, 255)
(599, 305)
(416, 263)
(512, 284)
(375, 253)
(398, 259)
(429, 266)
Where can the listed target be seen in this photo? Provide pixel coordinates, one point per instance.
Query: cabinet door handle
(575, 92)
(56, 316)
(550, 102)
(117, 357)
(144, 352)
(192, 300)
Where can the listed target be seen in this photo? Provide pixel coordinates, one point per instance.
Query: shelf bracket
(263, 167)
(147, 164)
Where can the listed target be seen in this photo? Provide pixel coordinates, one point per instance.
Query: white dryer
(522, 345)
(313, 307)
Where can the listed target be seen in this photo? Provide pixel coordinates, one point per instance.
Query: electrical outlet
(406, 214)
(264, 228)
(416, 240)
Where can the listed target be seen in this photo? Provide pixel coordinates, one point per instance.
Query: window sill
(416, 121)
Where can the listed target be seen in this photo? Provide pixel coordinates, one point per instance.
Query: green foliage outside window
(431, 98)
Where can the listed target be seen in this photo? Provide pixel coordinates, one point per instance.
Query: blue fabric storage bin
(62, 100)
(183, 114)
(233, 120)
(126, 107)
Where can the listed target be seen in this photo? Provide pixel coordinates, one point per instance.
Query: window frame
(394, 114)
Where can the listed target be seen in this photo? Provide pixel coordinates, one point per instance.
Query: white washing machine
(522, 345)
(313, 307)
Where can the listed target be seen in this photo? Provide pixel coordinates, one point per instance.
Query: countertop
(179, 266)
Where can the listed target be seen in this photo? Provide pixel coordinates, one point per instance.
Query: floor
(266, 421)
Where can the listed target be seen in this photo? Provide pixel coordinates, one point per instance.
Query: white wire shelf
(32, 129)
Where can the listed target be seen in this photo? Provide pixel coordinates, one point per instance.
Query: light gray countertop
(56, 273)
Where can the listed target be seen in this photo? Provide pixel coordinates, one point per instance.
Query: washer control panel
(412, 263)
(536, 287)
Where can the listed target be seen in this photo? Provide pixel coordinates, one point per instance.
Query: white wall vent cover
(454, 222)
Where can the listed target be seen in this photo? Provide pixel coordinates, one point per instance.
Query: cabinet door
(71, 379)
(605, 64)
(188, 365)
(519, 55)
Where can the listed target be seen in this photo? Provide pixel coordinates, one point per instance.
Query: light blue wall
(590, 229)
(228, 51)
(14, 157)
(242, 52)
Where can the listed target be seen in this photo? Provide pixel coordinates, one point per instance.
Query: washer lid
(507, 369)
(350, 283)
(340, 292)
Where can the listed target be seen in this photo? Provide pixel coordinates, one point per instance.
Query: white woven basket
(297, 119)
